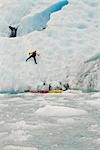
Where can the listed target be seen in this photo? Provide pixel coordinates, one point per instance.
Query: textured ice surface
(50, 122)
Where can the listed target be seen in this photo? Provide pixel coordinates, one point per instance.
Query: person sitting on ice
(63, 87)
(33, 55)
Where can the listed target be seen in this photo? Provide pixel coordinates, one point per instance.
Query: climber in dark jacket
(33, 55)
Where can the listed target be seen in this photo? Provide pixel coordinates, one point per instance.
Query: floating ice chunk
(2, 134)
(3, 105)
(59, 111)
(94, 103)
(19, 135)
(11, 147)
(19, 125)
(96, 95)
(94, 128)
(66, 121)
(97, 141)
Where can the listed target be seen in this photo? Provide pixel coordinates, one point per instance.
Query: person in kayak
(33, 55)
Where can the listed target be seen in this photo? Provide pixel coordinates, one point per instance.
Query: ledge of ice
(39, 21)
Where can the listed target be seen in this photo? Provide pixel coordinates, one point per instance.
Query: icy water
(67, 121)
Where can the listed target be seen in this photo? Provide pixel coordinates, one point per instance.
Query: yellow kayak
(55, 91)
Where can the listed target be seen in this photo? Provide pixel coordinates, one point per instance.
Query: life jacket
(34, 54)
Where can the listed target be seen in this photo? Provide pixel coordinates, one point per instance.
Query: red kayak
(31, 91)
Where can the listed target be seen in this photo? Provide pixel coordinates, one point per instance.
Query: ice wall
(69, 51)
(17, 74)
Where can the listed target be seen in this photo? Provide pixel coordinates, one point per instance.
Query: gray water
(22, 127)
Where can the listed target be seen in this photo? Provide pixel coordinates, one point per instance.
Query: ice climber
(33, 55)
